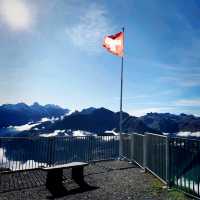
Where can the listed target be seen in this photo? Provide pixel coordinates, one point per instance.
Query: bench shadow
(59, 191)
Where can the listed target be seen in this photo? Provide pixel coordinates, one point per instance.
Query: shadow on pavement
(58, 191)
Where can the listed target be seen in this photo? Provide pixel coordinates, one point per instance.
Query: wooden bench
(55, 174)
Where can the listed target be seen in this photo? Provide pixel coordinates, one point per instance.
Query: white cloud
(191, 134)
(16, 14)
(30, 125)
(141, 112)
(188, 102)
(88, 33)
(80, 133)
(25, 127)
(53, 134)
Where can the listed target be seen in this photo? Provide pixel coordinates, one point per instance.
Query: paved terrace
(108, 180)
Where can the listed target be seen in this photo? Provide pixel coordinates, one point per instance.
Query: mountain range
(21, 113)
(95, 120)
(163, 123)
(100, 120)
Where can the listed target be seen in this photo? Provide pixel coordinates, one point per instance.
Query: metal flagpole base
(120, 158)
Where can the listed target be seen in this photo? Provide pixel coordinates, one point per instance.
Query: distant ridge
(170, 123)
(102, 119)
(21, 113)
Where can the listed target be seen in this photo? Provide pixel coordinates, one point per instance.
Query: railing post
(50, 151)
(132, 147)
(167, 162)
(120, 146)
(145, 151)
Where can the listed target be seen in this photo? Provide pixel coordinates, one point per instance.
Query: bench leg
(54, 178)
(77, 176)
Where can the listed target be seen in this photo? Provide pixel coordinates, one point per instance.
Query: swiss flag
(115, 43)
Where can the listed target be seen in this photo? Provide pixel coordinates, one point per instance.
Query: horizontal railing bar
(153, 173)
(157, 135)
(136, 134)
(41, 137)
(138, 164)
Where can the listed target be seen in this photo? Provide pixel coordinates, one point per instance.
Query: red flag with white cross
(115, 43)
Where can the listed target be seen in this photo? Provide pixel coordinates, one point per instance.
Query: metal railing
(184, 164)
(133, 147)
(35, 152)
(174, 160)
(138, 149)
(126, 144)
(156, 155)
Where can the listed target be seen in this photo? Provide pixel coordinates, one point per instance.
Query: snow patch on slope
(80, 133)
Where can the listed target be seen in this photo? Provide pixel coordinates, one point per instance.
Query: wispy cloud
(136, 97)
(185, 79)
(147, 98)
(188, 102)
(188, 54)
(179, 74)
(88, 32)
(182, 59)
(16, 14)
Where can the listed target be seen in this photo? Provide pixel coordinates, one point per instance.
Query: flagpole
(121, 105)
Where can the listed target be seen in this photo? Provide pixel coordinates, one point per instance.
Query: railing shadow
(15, 181)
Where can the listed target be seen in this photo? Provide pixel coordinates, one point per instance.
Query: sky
(51, 52)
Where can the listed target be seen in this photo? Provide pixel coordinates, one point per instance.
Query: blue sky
(51, 53)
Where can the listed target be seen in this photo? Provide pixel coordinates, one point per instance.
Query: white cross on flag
(115, 43)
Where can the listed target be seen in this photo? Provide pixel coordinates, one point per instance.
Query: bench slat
(64, 166)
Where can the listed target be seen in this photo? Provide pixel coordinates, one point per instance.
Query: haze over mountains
(94, 120)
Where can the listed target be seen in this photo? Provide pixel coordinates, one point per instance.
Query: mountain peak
(20, 106)
(52, 106)
(88, 111)
(35, 104)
